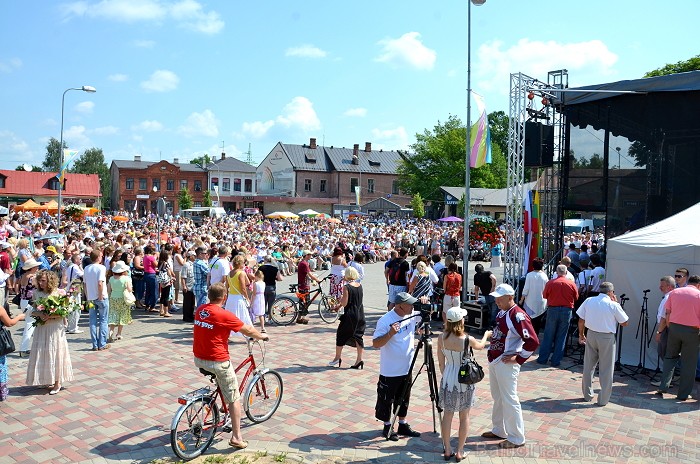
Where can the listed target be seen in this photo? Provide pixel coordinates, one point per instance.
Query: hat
(307, 252)
(456, 314)
(190, 253)
(51, 248)
(30, 263)
(4, 245)
(119, 267)
(405, 297)
(501, 290)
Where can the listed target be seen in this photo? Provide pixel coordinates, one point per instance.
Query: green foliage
(692, 64)
(92, 161)
(418, 206)
(280, 457)
(217, 458)
(461, 206)
(438, 159)
(641, 153)
(498, 125)
(34, 168)
(206, 198)
(52, 162)
(594, 162)
(184, 199)
(202, 161)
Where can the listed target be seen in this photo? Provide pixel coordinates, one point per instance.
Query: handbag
(7, 345)
(470, 372)
(137, 274)
(129, 297)
(16, 300)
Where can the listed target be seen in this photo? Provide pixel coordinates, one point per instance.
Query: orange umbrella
(120, 218)
(334, 220)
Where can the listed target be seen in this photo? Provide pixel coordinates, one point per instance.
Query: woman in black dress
(352, 322)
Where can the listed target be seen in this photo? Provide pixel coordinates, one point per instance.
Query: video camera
(425, 309)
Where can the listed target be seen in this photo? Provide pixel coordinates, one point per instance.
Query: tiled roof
(375, 161)
(232, 165)
(129, 164)
(304, 158)
(28, 184)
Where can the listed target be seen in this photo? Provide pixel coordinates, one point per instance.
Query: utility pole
(249, 156)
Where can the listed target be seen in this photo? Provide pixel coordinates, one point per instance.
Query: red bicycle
(203, 412)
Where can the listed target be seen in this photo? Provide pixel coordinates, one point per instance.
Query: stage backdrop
(637, 260)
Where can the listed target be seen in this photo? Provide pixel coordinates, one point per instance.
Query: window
(370, 185)
(307, 185)
(156, 184)
(197, 204)
(129, 205)
(54, 184)
(198, 186)
(236, 185)
(130, 183)
(170, 184)
(395, 187)
(353, 183)
(2, 181)
(322, 188)
(183, 184)
(143, 184)
(214, 183)
(248, 185)
(226, 187)
(169, 207)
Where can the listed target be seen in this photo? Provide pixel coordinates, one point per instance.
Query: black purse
(7, 345)
(470, 372)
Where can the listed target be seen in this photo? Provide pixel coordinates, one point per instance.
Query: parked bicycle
(285, 310)
(204, 412)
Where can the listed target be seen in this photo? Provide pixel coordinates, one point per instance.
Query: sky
(177, 79)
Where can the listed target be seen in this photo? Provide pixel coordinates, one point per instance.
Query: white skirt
(239, 307)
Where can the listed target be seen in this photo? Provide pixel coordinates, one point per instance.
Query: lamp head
(155, 189)
(478, 2)
(88, 88)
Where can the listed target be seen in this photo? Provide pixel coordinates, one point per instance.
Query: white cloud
(305, 51)
(356, 112)
(14, 146)
(148, 126)
(587, 62)
(299, 113)
(137, 138)
(161, 81)
(144, 43)
(188, 14)
(76, 137)
(257, 129)
(8, 66)
(407, 50)
(390, 139)
(105, 130)
(204, 123)
(118, 77)
(85, 107)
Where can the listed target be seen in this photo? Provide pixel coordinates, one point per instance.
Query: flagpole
(465, 260)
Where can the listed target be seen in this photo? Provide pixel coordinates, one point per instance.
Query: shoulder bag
(470, 372)
(7, 345)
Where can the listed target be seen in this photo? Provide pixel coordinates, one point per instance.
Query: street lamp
(619, 160)
(465, 260)
(85, 88)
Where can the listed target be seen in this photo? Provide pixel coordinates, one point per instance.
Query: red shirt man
(304, 277)
(560, 292)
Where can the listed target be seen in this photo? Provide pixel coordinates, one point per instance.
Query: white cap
(503, 289)
(456, 314)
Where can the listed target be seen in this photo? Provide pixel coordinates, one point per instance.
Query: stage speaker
(539, 144)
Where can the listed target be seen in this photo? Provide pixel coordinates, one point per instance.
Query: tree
(594, 162)
(184, 199)
(461, 207)
(418, 206)
(498, 125)
(206, 198)
(692, 64)
(641, 153)
(92, 161)
(34, 168)
(202, 161)
(439, 160)
(52, 162)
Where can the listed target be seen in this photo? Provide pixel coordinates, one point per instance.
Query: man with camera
(394, 336)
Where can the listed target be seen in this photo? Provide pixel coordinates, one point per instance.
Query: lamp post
(85, 88)
(619, 157)
(465, 260)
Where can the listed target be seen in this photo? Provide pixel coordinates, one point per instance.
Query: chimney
(223, 155)
(312, 143)
(368, 147)
(137, 158)
(356, 150)
(176, 161)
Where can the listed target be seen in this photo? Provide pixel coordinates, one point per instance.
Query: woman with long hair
(352, 322)
(237, 283)
(137, 277)
(49, 359)
(27, 286)
(455, 396)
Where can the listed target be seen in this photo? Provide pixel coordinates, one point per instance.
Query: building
(232, 183)
(328, 179)
(19, 186)
(483, 201)
(137, 185)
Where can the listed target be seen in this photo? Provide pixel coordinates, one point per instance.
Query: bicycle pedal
(227, 428)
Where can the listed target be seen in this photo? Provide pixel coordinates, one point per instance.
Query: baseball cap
(51, 248)
(501, 290)
(456, 314)
(405, 297)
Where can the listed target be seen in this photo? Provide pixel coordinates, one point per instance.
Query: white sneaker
(75, 331)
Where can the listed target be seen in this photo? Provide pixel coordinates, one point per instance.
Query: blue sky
(178, 79)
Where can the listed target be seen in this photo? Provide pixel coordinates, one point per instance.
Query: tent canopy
(308, 212)
(29, 205)
(50, 206)
(282, 215)
(637, 260)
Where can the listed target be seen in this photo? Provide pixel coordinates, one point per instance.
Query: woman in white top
(531, 299)
(455, 396)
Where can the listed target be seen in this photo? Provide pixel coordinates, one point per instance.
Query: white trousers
(73, 319)
(28, 333)
(507, 416)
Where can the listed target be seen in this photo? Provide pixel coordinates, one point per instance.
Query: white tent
(637, 260)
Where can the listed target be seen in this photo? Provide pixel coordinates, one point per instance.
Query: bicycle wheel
(324, 310)
(263, 396)
(195, 427)
(284, 311)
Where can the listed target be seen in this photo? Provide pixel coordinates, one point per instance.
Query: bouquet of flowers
(484, 231)
(61, 304)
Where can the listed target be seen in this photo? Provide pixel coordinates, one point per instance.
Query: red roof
(29, 184)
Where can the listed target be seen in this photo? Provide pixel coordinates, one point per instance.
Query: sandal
(240, 446)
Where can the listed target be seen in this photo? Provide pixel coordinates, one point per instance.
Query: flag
(135, 204)
(532, 229)
(68, 157)
(480, 150)
(527, 228)
(536, 226)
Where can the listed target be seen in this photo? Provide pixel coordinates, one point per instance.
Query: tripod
(429, 364)
(618, 364)
(643, 331)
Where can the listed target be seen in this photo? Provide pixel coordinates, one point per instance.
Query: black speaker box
(539, 145)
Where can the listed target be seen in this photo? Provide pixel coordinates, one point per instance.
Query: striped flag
(68, 157)
(480, 150)
(532, 229)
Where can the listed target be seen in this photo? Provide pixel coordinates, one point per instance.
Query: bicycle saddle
(206, 372)
(293, 287)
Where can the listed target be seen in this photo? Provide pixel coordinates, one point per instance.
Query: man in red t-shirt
(304, 275)
(212, 327)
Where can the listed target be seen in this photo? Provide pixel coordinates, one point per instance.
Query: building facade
(232, 183)
(19, 186)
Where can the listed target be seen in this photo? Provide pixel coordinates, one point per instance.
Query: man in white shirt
(220, 266)
(95, 280)
(600, 315)
(597, 275)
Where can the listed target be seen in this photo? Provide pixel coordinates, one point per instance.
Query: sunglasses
(679, 276)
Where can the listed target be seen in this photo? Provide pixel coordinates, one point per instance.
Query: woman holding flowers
(49, 359)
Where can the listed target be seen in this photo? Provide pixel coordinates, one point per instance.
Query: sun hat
(119, 267)
(456, 314)
(30, 263)
(502, 290)
(51, 248)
